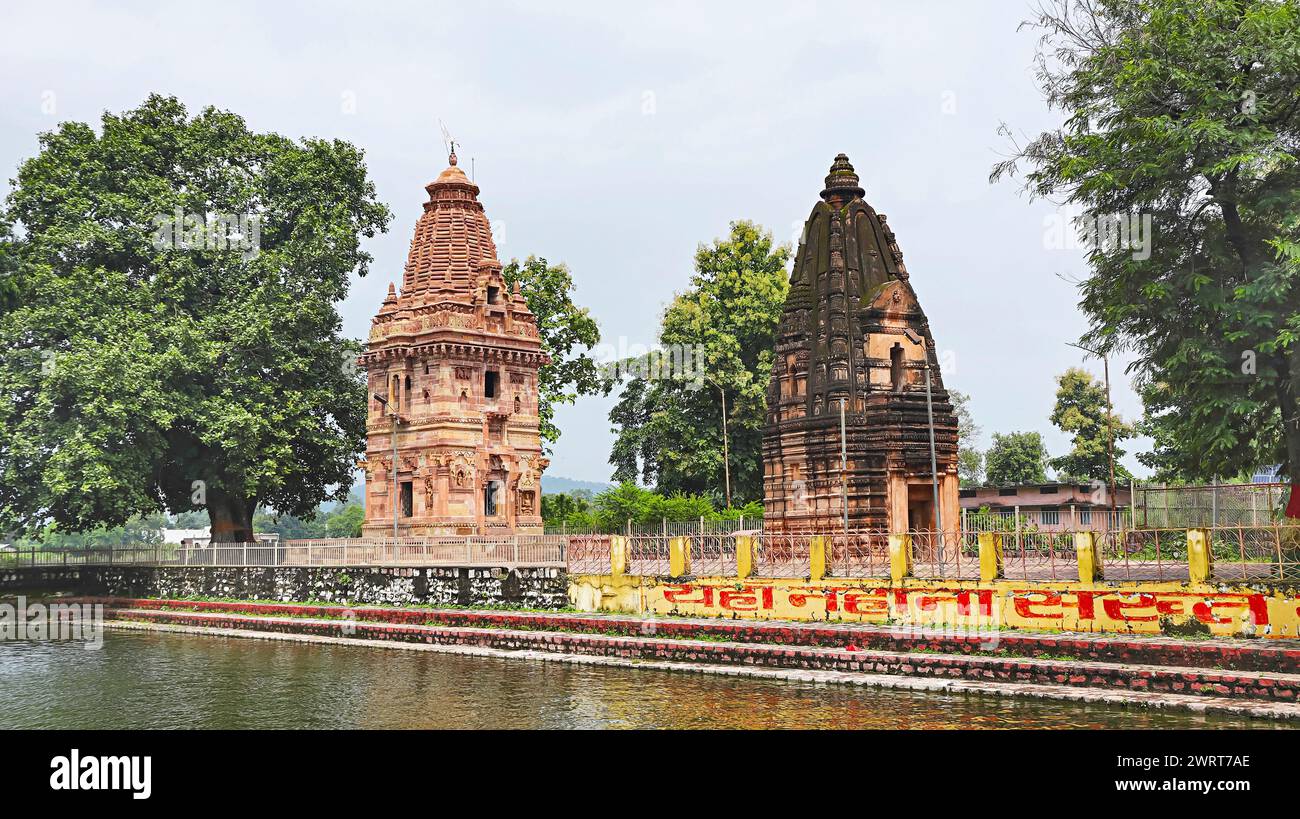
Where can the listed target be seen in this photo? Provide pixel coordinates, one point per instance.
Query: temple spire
(842, 181)
(852, 331)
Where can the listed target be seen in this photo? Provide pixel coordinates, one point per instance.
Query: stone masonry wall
(540, 588)
(39, 580)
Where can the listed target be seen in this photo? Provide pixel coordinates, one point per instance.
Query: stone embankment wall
(39, 580)
(541, 588)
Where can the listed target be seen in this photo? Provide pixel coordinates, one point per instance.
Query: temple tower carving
(853, 334)
(454, 355)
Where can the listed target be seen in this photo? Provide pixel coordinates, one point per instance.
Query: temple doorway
(920, 508)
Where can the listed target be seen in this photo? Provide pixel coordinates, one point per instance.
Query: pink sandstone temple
(452, 362)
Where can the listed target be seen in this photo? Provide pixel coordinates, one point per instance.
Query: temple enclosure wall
(1141, 607)
(523, 587)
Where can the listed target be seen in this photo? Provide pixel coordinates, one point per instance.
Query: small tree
(1016, 458)
(1081, 411)
(970, 461)
(346, 522)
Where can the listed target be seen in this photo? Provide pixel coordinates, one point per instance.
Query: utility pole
(934, 459)
(1110, 420)
(934, 462)
(726, 453)
(726, 456)
(392, 417)
(844, 469)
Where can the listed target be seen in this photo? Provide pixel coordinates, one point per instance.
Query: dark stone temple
(853, 334)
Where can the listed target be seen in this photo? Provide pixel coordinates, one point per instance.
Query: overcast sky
(615, 137)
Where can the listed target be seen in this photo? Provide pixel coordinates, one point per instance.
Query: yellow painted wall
(1130, 607)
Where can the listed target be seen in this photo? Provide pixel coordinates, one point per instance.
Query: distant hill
(555, 484)
(357, 496)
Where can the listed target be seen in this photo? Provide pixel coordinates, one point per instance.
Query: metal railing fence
(1238, 553)
(517, 550)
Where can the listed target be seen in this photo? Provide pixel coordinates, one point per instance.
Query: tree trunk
(1287, 388)
(232, 517)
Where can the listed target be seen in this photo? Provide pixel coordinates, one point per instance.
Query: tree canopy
(1186, 111)
(970, 460)
(568, 334)
(1081, 411)
(612, 509)
(669, 425)
(174, 341)
(1016, 458)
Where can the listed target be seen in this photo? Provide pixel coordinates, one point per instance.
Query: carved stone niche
(462, 473)
(526, 502)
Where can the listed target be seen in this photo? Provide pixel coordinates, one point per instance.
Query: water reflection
(149, 680)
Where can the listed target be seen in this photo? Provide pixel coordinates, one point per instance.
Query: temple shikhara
(853, 335)
(452, 362)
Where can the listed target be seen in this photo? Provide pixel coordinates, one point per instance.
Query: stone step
(1261, 685)
(1274, 655)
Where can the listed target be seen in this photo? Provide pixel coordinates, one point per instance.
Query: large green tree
(568, 334)
(1081, 410)
(164, 353)
(1187, 111)
(669, 425)
(8, 265)
(1016, 458)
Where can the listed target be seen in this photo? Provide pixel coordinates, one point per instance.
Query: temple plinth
(852, 334)
(454, 357)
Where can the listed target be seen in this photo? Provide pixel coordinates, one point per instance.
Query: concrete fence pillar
(617, 555)
(1200, 560)
(744, 556)
(679, 556)
(818, 546)
(1089, 557)
(900, 556)
(991, 567)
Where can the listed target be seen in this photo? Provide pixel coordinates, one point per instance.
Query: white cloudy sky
(750, 102)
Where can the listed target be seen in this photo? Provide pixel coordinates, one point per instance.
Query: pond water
(157, 680)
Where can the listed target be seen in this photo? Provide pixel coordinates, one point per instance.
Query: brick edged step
(1282, 656)
(1267, 686)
